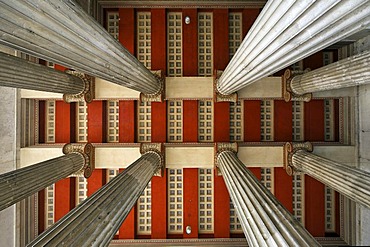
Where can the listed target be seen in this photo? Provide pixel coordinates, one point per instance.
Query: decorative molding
(102, 4)
(36, 213)
(289, 149)
(87, 94)
(157, 148)
(88, 152)
(182, 242)
(37, 123)
(219, 97)
(341, 217)
(288, 93)
(325, 241)
(160, 94)
(220, 147)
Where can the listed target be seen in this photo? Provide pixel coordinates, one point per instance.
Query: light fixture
(188, 230)
(187, 20)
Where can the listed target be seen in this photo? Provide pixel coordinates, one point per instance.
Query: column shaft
(97, 219)
(348, 181)
(62, 32)
(288, 31)
(19, 73)
(19, 184)
(264, 220)
(348, 72)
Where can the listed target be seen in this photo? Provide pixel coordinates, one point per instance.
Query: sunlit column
(351, 182)
(288, 31)
(264, 219)
(349, 72)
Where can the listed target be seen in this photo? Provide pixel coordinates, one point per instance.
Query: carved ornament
(221, 147)
(157, 148)
(219, 97)
(160, 94)
(87, 94)
(289, 149)
(288, 94)
(88, 152)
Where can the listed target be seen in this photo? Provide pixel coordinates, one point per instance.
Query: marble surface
(8, 154)
(364, 159)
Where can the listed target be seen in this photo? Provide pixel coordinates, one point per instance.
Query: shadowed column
(97, 219)
(21, 183)
(63, 33)
(19, 73)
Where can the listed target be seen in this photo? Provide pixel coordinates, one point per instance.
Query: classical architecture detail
(175, 201)
(208, 189)
(219, 97)
(174, 44)
(181, 4)
(348, 72)
(175, 122)
(87, 151)
(160, 94)
(206, 201)
(205, 43)
(264, 220)
(103, 213)
(221, 147)
(237, 121)
(21, 183)
(157, 148)
(289, 150)
(98, 55)
(87, 94)
(351, 182)
(20, 73)
(288, 93)
(205, 120)
(226, 146)
(274, 42)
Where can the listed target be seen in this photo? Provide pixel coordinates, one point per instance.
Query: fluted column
(62, 32)
(264, 220)
(96, 220)
(21, 183)
(349, 181)
(288, 31)
(19, 73)
(348, 72)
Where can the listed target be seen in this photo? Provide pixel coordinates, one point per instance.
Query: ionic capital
(289, 150)
(87, 150)
(87, 94)
(222, 147)
(160, 94)
(219, 97)
(157, 148)
(288, 93)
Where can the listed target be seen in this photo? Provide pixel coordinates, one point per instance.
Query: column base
(156, 148)
(219, 97)
(87, 95)
(158, 96)
(289, 149)
(220, 147)
(289, 95)
(88, 152)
